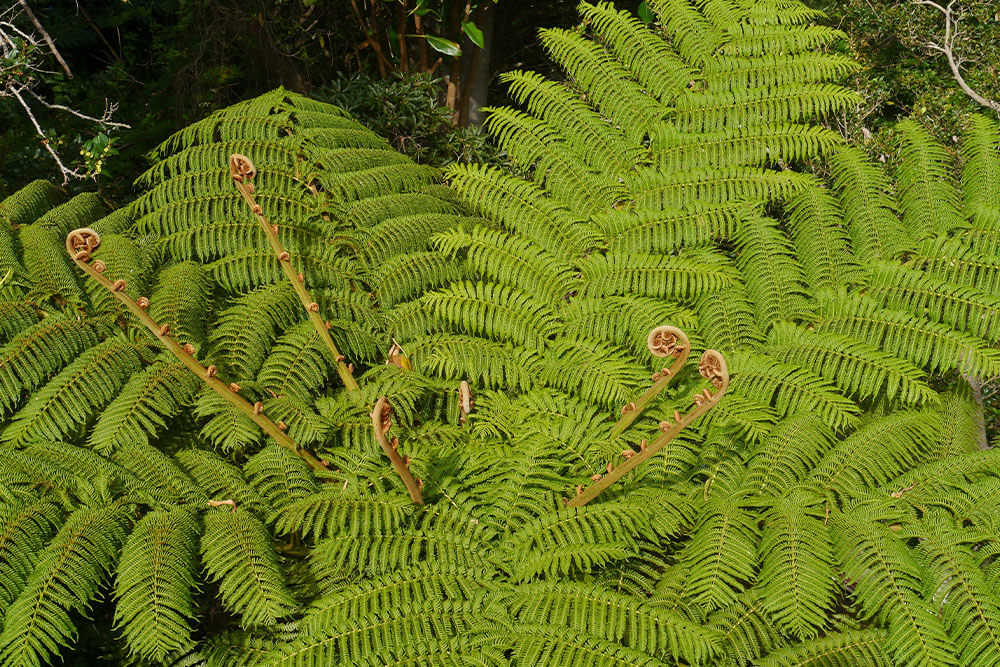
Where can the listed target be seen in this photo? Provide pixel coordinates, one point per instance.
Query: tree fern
(679, 175)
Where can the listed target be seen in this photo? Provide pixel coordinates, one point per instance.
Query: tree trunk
(478, 85)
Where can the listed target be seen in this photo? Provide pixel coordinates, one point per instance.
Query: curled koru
(81, 242)
(666, 341)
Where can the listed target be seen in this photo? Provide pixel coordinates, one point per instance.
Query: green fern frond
(494, 311)
(640, 49)
(162, 479)
(39, 350)
(67, 576)
(48, 266)
(178, 299)
(775, 282)
(748, 40)
(607, 83)
(536, 147)
(655, 190)
(409, 275)
(821, 241)
(787, 454)
(527, 479)
(888, 587)
(726, 320)
(903, 438)
(796, 574)
(125, 260)
(790, 389)
(668, 230)
(253, 267)
(954, 261)
(929, 200)
(481, 361)
(764, 106)
(79, 211)
(237, 553)
(144, 406)
(370, 211)
(279, 476)
(721, 558)
(574, 540)
(29, 203)
(861, 369)
(618, 618)
(242, 334)
(511, 260)
(981, 171)
(298, 363)
(959, 432)
(746, 628)
(599, 144)
(624, 320)
(221, 480)
(155, 582)
(449, 540)
(523, 208)
(25, 529)
(869, 208)
(965, 309)
(696, 38)
(334, 512)
(775, 70)
(671, 277)
(17, 313)
(425, 582)
(226, 427)
(547, 644)
(402, 234)
(771, 145)
(593, 371)
(306, 426)
(429, 633)
(71, 398)
(966, 602)
(852, 648)
(927, 344)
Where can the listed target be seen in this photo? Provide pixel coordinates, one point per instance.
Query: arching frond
(155, 582)
(66, 577)
(856, 367)
(237, 553)
(70, 399)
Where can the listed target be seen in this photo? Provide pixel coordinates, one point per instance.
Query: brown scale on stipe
(663, 341)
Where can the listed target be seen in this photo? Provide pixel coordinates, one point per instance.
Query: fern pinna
(834, 508)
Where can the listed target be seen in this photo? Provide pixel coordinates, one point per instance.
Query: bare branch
(63, 169)
(46, 37)
(105, 119)
(951, 27)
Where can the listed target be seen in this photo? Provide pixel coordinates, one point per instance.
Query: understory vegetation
(307, 401)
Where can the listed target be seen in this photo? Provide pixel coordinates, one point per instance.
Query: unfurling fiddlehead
(80, 243)
(663, 341)
(243, 171)
(382, 421)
